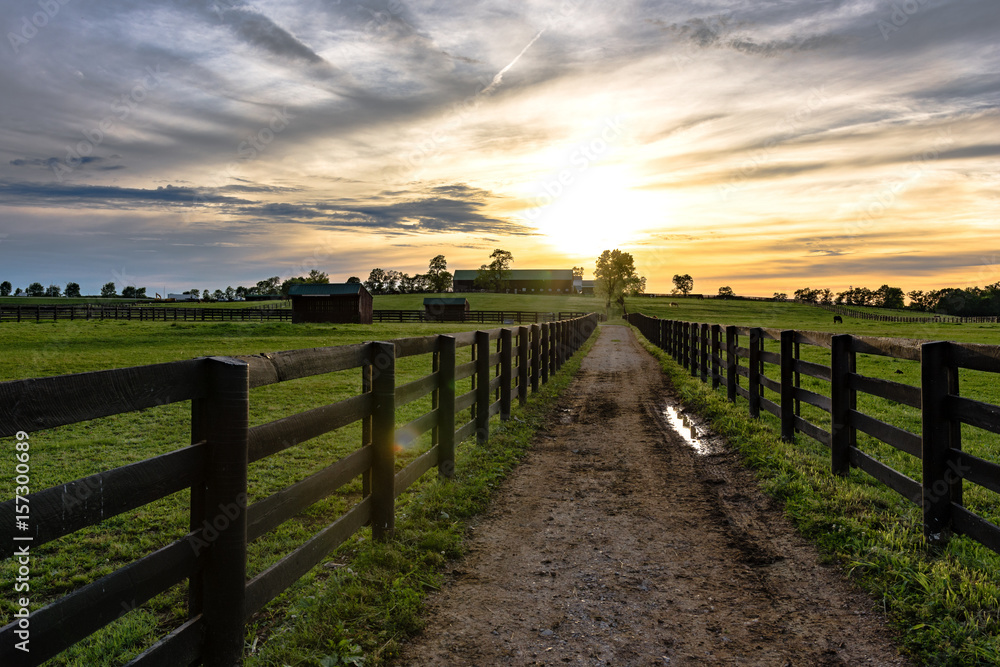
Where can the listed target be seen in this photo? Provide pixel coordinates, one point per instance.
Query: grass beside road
(945, 601)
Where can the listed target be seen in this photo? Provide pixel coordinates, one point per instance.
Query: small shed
(341, 303)
(446, 310)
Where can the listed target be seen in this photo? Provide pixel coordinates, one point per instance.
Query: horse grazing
(674, 304)
(837, 319)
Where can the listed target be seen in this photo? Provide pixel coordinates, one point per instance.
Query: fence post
(444, 399)
(704, 352)
(731, 376)
(522, 365)
(691, 347)
(941, 486)
(482, 386)
(536, 355)
(543, 360)
(753, 377)
(383, 356)
(842, 434)
(716, 355)
(226, 420)
(787, 386)
(366, 426)
(553, 345)
(506, 352)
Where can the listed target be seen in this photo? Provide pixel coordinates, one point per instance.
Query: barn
(523, 281)
(343, 303)
(446, 310)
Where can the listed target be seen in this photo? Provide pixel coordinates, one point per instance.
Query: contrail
(498, 79)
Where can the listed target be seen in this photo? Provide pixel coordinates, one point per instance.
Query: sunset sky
(766, 146)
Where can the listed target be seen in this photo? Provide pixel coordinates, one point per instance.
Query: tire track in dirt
(615, 544)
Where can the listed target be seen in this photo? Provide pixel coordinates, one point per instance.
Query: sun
(586, 213)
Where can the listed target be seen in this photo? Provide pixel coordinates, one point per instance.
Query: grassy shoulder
(944, 601)
(368, 598)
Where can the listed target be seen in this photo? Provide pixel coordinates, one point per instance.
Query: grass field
(934, 590)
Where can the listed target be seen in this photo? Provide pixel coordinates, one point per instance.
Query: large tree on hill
(616, 278)
(683, 284)
(73, 290)
(495, 276)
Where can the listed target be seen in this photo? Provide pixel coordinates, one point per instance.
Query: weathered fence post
(704, 352)
(445, 403)
(553, 345)
(692, 342)
(482, 386)
(753, 376)
(383, 356)
(941, 486)
(842, 434)
(731, 376)
(366, 425)
(223, 585)
(544, 358)
(506, 385)
(788, 385)
(522, 365)
(716, 355)
(536, 355)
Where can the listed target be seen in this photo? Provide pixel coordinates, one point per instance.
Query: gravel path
(615, 543)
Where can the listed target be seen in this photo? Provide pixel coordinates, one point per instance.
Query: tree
(317, 277)
(495, 276)
(18, 292)
(806, 295)
(53, 290)
(779, 296)
(133, 292)
(578, 272)
(888, 297)
(354, 280)
(726, 292)
(108, 290)
(616, 278)
(271, 285)
(218, 295)
(683, 284)
(36, 289)
(205, 296)
(72, 290)
(438, 275)
(376, 281)
(140, 293)
(230, 294)
(6, 287)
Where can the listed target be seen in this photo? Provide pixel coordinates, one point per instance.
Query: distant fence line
(878, 317)
(39, 313)
(506, 364)
(713, 353)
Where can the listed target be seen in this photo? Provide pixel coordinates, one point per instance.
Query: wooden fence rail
(39, 313)
(923, 319)
(944, 465)
(213, 555)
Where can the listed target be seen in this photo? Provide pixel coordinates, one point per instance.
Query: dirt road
(615, 543)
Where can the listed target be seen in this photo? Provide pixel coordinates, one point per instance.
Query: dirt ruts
(614, 543)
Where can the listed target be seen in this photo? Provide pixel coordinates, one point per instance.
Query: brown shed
(343, 303)
(446, 310)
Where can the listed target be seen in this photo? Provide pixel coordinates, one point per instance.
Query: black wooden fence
(39, 313)
(923, 319)
(221, 599)
(714, 352)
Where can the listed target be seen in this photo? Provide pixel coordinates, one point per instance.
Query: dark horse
(837, 319)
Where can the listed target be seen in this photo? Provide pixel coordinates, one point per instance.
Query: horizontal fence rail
(507, 364)
(41, 313)
(736, 358)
